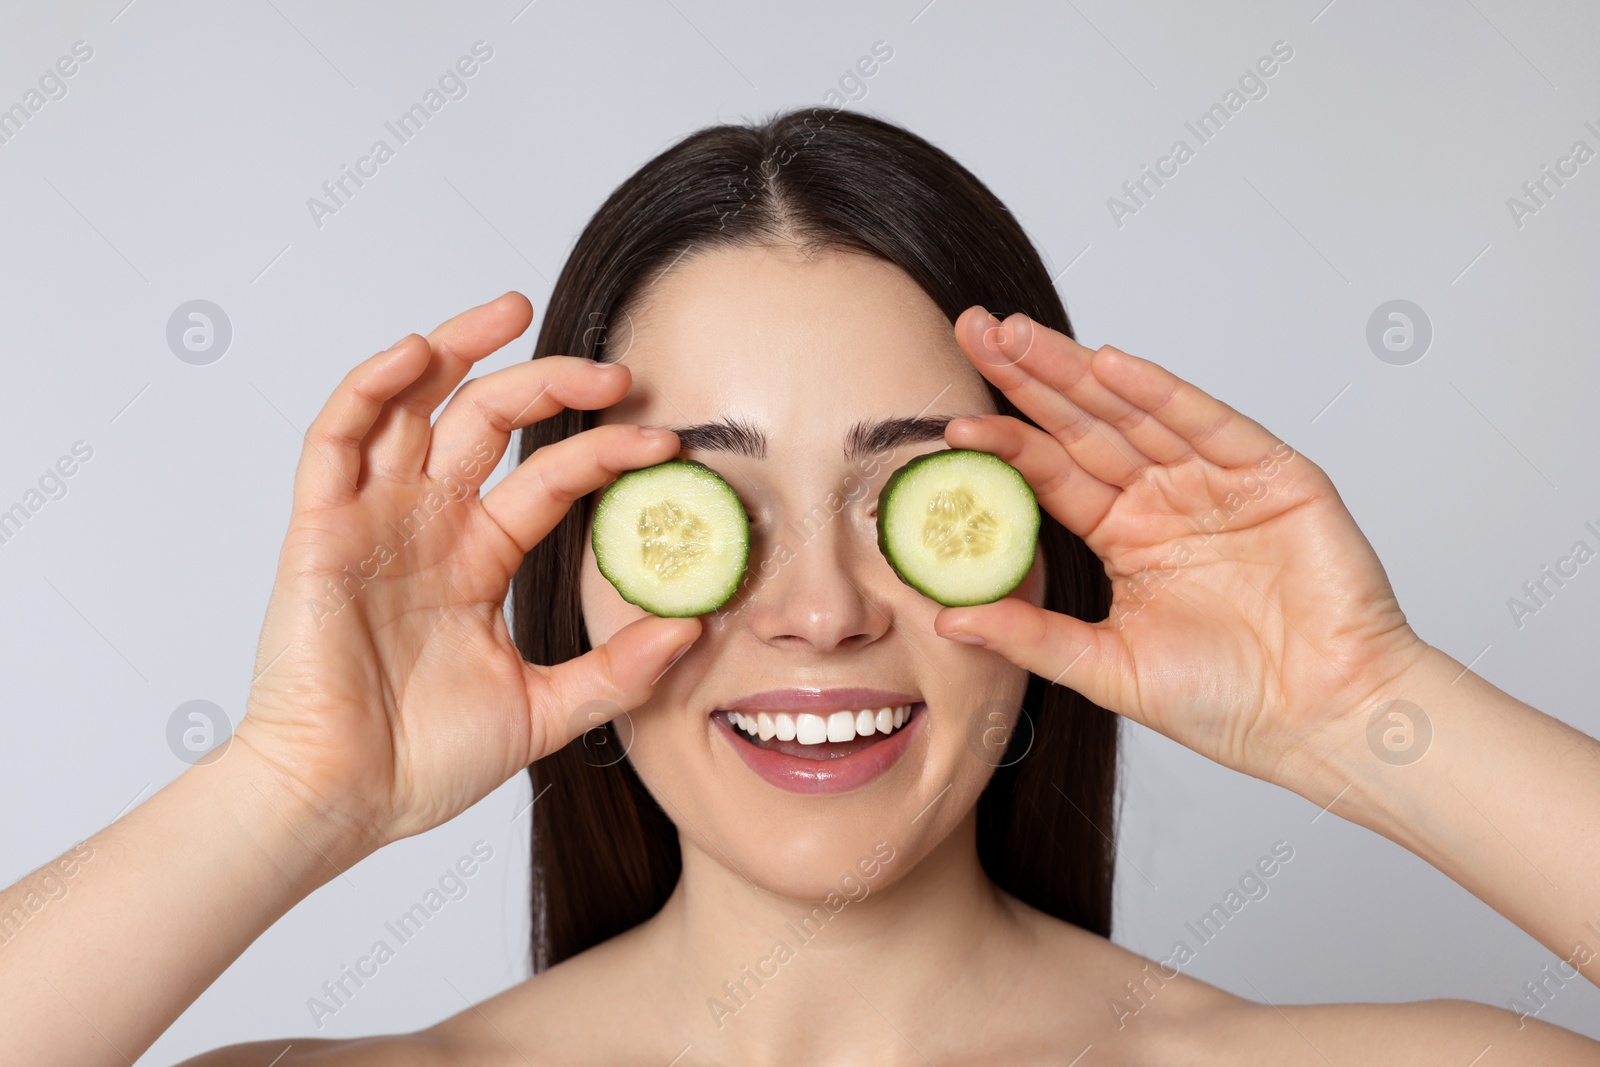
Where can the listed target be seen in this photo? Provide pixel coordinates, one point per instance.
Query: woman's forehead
(792, 343)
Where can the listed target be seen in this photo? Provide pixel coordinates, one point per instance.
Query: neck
(764, 977)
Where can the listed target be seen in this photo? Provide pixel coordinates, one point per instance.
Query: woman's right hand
(389, 694)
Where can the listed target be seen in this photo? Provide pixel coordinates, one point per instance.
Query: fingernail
(966, 639)
(653, 431)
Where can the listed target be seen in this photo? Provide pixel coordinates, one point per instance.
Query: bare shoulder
(1426, 1031)
(399, 1050)
(605, 1005)
(546, 1019)
(1144, 1011)
(564, 1016)
(1117, 1006)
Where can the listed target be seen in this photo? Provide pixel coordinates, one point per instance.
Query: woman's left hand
(1251, 621)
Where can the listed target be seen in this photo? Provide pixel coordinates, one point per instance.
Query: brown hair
(605, 857)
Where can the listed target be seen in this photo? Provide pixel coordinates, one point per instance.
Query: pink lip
(849, 698)
(795, 774)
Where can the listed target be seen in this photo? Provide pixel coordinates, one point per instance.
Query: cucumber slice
(959, 526)
(673, 538)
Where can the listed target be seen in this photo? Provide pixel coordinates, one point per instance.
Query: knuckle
(550, 470)
(1217, 426)
(473, 396)
(1168, 397)
(1130, 419)
(1054, 482)
(542, 476)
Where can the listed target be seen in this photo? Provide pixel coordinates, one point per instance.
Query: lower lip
(795, 774)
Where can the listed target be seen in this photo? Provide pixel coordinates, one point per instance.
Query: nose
(811, 588)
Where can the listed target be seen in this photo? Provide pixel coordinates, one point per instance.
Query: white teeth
(811, 729)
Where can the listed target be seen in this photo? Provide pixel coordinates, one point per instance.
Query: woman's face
(800, 351)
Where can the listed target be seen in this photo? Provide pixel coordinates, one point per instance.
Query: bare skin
(1264, 647)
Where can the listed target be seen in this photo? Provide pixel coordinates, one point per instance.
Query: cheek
(604, 611)
(663, 755)
(1032, 587)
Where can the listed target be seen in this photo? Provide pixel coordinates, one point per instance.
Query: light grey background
(1377, 167)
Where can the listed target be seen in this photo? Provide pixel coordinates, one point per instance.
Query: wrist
(1357, 761)
(309, 837)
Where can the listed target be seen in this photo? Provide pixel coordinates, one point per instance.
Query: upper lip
(846, 698)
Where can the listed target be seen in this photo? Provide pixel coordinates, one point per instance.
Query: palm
(1248, 611)
(388, 685)
(419, 654)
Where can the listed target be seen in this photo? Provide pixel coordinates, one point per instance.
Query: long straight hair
(605, 856)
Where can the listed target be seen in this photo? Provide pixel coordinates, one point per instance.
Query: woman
(936, 891)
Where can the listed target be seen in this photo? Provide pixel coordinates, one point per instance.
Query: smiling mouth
(811, 736)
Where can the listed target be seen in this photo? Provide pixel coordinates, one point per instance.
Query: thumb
(576, 696)
(1082, 656)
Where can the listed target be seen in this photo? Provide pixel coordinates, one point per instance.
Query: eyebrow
(865, 436)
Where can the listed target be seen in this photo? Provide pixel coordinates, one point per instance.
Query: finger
(399, 441)
(1100, 448)
(475, 427)
(1207, 425)
(1084, 657)
(528, 502)
(329, 470)
(1063, 365)
(606, 681)
(1077, 499)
